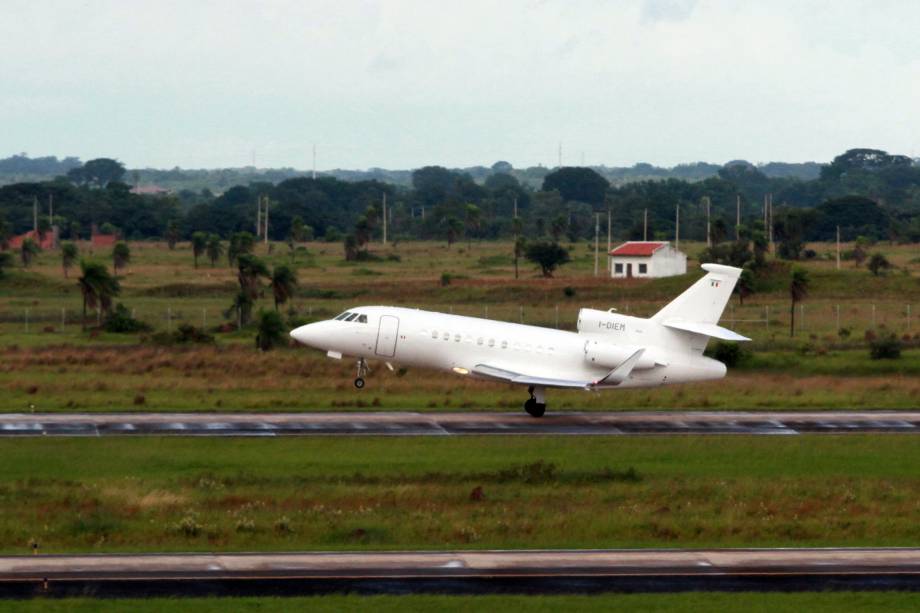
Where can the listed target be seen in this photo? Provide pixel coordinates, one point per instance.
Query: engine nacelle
(610, 356)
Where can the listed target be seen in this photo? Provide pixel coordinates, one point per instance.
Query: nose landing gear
(536, 404)
(362, 372)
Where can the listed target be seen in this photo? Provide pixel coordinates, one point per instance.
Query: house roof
(103, 240)
(638, 248)
(44, 242)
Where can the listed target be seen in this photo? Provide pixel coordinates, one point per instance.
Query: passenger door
(386, 336)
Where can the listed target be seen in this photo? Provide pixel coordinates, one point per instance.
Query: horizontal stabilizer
(713, 330)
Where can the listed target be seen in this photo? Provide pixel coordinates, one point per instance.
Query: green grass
(636, 603)
(191, 494)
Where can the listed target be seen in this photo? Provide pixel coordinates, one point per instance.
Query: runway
(453, 424)
(460, 572)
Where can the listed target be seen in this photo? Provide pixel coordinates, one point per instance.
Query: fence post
(63, 318)
(522, 313)
(766, 318)
(204, 318)
(908, 317)
(838, 318)
(27, 320)
(169, 319)
(802, 316)
(487, 311)
(873, 315)
(557, 316)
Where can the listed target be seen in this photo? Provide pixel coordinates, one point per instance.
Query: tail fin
(704, 301)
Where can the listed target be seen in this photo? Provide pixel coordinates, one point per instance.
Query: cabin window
(350, 317)
(434, 334)
(362, 319)
(643, 269)
(446, 336)
(468, 339)
(479, 341)
(618, 268)
(491, 342)
(504, 344)
(456, 338)
(343, 315)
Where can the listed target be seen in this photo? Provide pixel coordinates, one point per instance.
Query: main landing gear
(536, 404)
(362, 372)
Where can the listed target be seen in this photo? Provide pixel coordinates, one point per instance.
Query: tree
(97, 286)
(99, 172)
(798, 290)
(4, 234)
(199, 244)
(271, 330)
(121, 255)
(6, 260)
(558, 227)
(580, 184)
(878, 264)
(547, 255)
(351, 248)
(240, 243)
(28, 251)
(283, 282)
(454, 227)
(172, 235)
(473, 219)
(68, 256)
(250, 270)
(214, 248)
(298, 232)
(745, 285)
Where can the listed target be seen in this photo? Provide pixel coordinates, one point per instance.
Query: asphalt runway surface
(468, 572)
(449, 424)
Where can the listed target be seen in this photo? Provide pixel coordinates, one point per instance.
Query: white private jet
(608, 351)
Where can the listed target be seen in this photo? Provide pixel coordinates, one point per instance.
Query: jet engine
(610, 356)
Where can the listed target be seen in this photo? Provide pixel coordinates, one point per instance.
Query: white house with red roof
(646, 259)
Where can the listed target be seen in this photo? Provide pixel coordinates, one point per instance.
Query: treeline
(865, 192)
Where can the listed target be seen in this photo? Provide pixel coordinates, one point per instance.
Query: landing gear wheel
(533, 408)
(359, 383)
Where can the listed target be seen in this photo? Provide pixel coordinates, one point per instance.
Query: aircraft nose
(307, 335)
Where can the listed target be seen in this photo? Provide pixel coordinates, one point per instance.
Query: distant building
(97, 239)
(50, 239)
(646, 259)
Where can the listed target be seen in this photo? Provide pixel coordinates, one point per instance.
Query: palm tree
(250, 270)
(97, 286)
(215, 249)
(454, 227)
(68, 256)
(121, 255)
(472, 219)
(798, 290)
(28, 251)
(284, 280)
(199, 244)
(172, 234)
(745, 285)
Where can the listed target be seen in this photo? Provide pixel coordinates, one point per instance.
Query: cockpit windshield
(358, 318)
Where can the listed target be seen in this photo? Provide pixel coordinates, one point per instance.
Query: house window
(456, 338)
(479, 341)
(618, 268)
(504, 344)
(491, 342)
(643, 269)
(434, 334)
(446, 336)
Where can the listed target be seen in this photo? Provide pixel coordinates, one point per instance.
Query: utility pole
(770, 223)
(708, 225)
(51, 209)
(737, 217)
(384, 218)
(266, 220)
(259, 218)
(560, 154)
(515, 207)
(645, 225)
(838, 248)
(35, 216)
(608, 239)
(677, 227)
(314, 161)
(597, 230)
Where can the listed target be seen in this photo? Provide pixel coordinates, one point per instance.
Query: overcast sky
(400, 84)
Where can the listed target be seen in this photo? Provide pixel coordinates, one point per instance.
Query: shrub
(730, 354)
(186, 334)
(121, 321)
(569, 291)
(445, 279)
(885, 347)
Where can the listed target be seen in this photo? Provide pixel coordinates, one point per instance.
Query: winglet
(619, 374)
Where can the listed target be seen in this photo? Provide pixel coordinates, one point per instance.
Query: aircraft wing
(500, 374)
(615, 377)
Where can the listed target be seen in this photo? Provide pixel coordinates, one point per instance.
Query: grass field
(188, 494)
(636, 603)
(61, 368)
